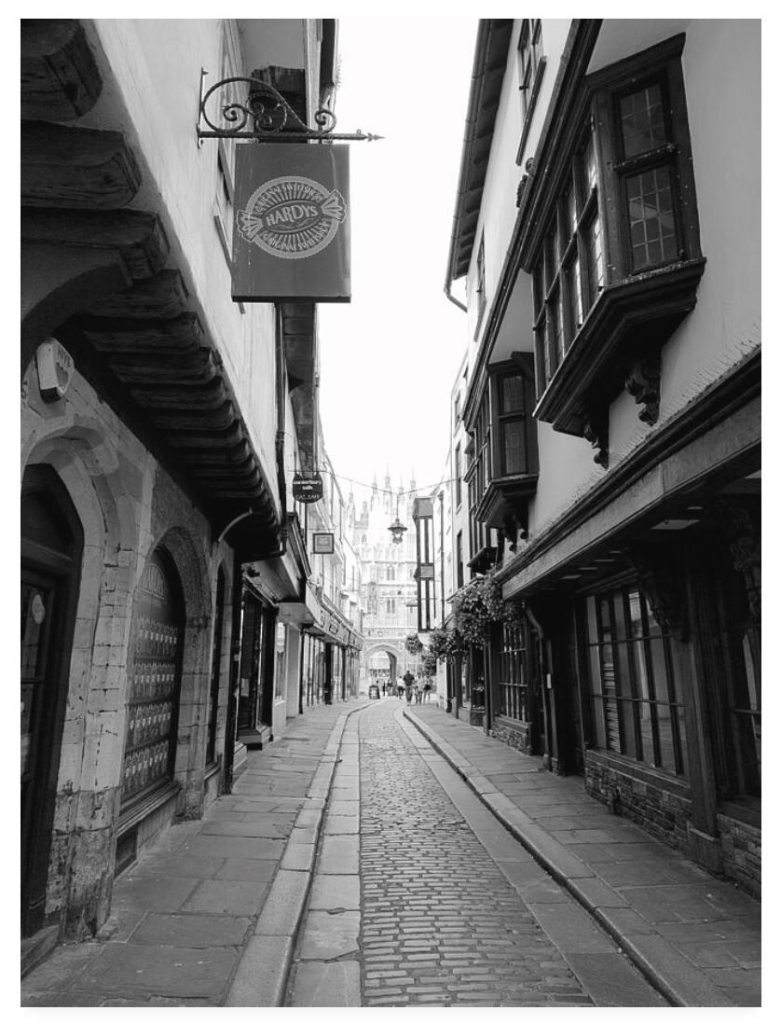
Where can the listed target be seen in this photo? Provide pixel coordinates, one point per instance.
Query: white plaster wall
(498, 211)
(721, 64)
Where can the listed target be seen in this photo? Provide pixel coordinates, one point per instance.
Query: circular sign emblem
(292, 217)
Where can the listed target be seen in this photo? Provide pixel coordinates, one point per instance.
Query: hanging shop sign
(323, 543)
(291, 236)
(307, 489)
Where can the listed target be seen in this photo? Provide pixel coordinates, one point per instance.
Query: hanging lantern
(397, 529)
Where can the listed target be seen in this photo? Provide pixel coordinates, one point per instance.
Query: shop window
(636, 710)
(512, 684)
(154, 679)
(618, 256)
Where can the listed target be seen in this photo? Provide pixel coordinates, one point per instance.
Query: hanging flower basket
(445, 643)
(478, 606)
(413, 644)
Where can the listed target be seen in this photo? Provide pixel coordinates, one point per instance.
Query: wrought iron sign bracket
(253, 109)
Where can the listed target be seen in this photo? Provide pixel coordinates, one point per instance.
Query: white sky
(389, 358)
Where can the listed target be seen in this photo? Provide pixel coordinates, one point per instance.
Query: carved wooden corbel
(595, 432)
(642, 383)
(660, 586)
(742, 532)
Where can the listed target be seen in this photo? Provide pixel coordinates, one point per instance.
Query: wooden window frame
(619, 707)
(495, 493)
(531, 63)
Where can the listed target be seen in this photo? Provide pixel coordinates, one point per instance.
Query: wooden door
(51, 546)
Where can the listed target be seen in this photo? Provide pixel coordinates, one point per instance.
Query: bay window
(616, 261)
(503, 473)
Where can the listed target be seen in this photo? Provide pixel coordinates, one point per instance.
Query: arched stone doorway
(383, 665)
(52, 543)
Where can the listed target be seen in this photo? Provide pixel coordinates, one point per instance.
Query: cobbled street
(440, 922)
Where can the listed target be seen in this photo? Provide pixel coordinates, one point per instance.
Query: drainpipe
(453, 299)
(233, 676)
(280, 438)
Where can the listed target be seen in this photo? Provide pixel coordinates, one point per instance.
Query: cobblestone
(441, 925)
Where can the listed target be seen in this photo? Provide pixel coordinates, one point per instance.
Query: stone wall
(665, 813)
(515, 734)
(742, 850)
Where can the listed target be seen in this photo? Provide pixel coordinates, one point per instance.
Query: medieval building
(607, 228)
(167, 591)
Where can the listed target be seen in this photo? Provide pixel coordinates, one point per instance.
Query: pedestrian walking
(418, 692)
(427, 691)
(409, 693)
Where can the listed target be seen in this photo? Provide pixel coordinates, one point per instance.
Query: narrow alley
(390, 544)
(385, 855)
(448, 899)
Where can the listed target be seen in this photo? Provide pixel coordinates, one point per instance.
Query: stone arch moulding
(53, 291)
(96, 687)
(196, 578)
(387, 648)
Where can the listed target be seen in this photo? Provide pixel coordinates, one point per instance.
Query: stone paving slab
(328, 936)
(335, 892)
(262, 973)
(192, 931)
(128, 971)
(219, 896)
(327, 984)
(611, 980)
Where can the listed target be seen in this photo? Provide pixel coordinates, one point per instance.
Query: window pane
(551, 255)
(596, 259)
(538, 289)
(651, 221)
(642, 121)
(589, 167)
(513, 447)
(557, 325)
(540, 359)
(512, 394)
(632, 688)
(571, 207)
(574, 299)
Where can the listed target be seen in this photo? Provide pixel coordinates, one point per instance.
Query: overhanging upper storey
(610, 235)
(491, 49)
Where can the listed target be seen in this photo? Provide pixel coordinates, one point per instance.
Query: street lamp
(397, 529)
